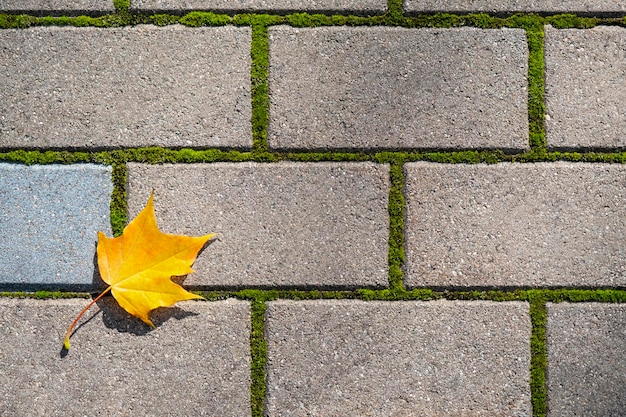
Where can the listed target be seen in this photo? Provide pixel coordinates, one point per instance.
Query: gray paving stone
(285, 224)
(586, 374)
(441, 358)
(543, 224)
(586, 87)
(383, 87)
(344, 6)
(132, 86)
(51, 6)
(504, 6)
(49, 219)
(197, 361)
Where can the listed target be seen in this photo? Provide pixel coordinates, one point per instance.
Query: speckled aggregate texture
(586, 362)
(60, 6)
(286, 224)
(544, 224)
(49, 219)
(359, 6)
(196, 363)
(507, 6)
(382, 87)
(442, 358)
(586, 87)
(131, 86)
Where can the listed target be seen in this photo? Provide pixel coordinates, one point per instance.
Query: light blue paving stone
(60, 6)
(510, 6)
(586, 374)
(342, 6)
(49, 219)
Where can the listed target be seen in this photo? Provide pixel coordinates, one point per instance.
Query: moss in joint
(396, 226)
(259, 52)
(258, 352)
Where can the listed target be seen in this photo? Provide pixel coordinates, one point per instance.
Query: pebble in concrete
(197, 361)
(442, 358)
(57, 6)
(586, 87)
(343, 6)
(131, 86)
(49, 219)
(544, 224)
(586, 374)
(509, 6)
(383, 87)
(284, 224)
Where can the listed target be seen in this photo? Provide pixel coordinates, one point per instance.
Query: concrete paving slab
(285, 224)
(543, 224)
(197, 361)
(586, 373)
(441, 358)
(511, 6)
(49, 219)
(60, 6)
(342, 6)
(132, 86)
(390, 88)
(586, 87)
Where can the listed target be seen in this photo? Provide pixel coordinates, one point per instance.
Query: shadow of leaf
(115, 317)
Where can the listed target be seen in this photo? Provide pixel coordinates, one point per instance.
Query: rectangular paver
(509, 6)
(586, 87)
(441, 358)
(57, 6)
(131, 86)
(49, 219)
(284, 224)
(382, 87)
(586, 374)
(344, 6)
(540, 224)
(196, 362)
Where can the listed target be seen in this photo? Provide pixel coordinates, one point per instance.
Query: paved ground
(420, 214)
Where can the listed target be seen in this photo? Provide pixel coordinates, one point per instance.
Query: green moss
(565, 21)
(121, 6)
(396, 226)
(196, 19)
(118, 199)
(258, 352)
(538, 354)
(260, 91)
(44, 295)
(536, 88)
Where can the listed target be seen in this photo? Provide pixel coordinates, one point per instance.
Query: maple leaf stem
(66, 342)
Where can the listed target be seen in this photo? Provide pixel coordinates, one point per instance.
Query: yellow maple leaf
(139, 265)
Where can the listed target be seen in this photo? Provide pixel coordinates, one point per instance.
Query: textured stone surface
(196, 362)
(586, 87)
(382, 87)
(495, 6)
(442, 358)
(285, 224)
(586, 373)
(51, 6)
(131, 86)
(49, 219)
(508, 224)
(345, 6)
